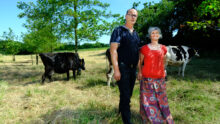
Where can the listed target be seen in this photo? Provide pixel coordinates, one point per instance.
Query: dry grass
(24, 100)
(88, 99)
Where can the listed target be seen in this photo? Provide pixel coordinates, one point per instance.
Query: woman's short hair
(151, 29)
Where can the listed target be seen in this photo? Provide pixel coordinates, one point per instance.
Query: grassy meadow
(194, 99)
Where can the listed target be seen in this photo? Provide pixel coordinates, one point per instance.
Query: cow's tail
(107, 64)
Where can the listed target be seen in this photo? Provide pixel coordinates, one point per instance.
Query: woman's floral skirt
(153, 101)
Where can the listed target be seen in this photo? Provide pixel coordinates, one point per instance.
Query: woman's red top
(153, 62)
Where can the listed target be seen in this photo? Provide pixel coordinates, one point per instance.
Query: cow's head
(193, 52)
(196, 52)
(82, 64)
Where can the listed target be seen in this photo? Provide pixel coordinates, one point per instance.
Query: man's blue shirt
(129, 43)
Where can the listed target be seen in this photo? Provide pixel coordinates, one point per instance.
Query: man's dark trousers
(126, 85)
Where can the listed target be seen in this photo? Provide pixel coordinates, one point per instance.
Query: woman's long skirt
(153, 101)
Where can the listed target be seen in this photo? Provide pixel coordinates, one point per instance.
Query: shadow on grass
(32, 82)
(198, 69)
(92, 83)
(54, 78)
(17, 62)
(27, 75)
(95, 82)
(16, 74)
(84, 116)
(100, 54)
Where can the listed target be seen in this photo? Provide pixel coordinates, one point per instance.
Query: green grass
(193, 99)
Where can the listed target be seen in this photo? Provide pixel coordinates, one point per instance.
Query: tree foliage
(79, 20)
(195, 22)
(40, 41)
(157, 14)
(9, 44)
(208, 13)
(42, 23)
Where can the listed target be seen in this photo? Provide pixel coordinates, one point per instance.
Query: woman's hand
(139, 76)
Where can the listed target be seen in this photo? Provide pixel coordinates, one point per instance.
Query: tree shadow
(84, 116)
(198, 70)
(31, 82)
(99, 54)
(27, 75)
(18, 74)
(92, 83)
(95, 82)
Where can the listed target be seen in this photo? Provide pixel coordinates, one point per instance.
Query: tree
(40, 41)
(69, 19)
(156, 14)
(11, 46)
(207, 14)
(41, 24)
(84, 20)
(197, 22)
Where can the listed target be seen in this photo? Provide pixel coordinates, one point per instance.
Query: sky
(9, 14)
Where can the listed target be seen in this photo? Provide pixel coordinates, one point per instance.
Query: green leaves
(10, 46)
(155, 15)
(208, 13)
(200, 25)
(68, 19)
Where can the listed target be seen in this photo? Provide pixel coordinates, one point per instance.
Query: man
(124, 49)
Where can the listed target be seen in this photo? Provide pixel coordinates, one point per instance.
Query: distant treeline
(69, 46)
(10, 47)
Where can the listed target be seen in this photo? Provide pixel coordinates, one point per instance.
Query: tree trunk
(76, 41)
(75, 28)
(13, 58)
(32, 59)
(51, 44)
(36, 59)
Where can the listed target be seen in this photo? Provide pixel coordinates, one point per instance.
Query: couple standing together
(126, 55)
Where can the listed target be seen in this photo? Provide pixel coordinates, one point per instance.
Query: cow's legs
(43, 78)
(183, 69)
(79, 71)
(74, 74)
(49, 75)
(68, 75)
(165, 68)
(50, 78)
(110, 75)
(180, 68)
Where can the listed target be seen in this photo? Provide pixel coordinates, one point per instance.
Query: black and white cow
(180, 56)
(61, 63)
(176, 55)
(110, 72)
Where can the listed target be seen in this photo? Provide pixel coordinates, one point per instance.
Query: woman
(153, 99)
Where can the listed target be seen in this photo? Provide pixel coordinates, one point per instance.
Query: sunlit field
(194, 99)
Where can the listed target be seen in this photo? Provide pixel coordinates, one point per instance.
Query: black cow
(110, 72)
(61, 63)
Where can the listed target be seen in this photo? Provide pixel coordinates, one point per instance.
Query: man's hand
(117, 75)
